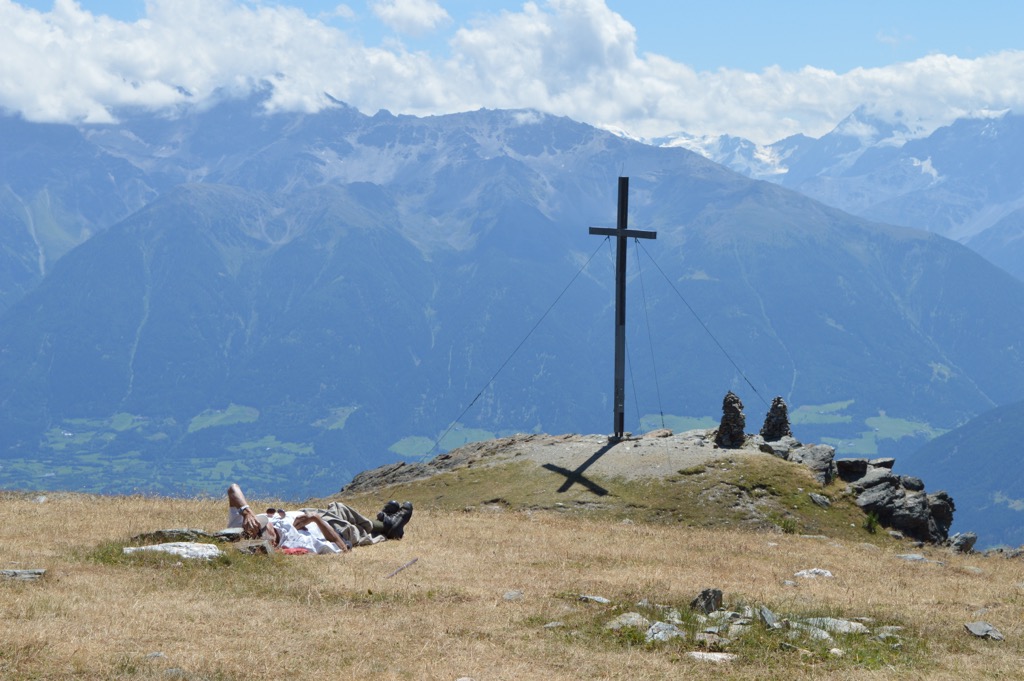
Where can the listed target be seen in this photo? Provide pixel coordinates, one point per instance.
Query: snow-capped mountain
(964, 181)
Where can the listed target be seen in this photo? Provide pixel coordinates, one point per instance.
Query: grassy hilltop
(500, 555)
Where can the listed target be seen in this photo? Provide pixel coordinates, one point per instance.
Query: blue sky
(761, 70)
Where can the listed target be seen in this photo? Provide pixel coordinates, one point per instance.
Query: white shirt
(309, 538)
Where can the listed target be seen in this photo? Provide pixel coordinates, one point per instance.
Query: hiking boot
(401, 520)
(390, 508)
(394, 523)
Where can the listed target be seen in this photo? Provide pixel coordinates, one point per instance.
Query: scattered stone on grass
(23, 575)
(838, 626)
(820, 500)
(663, 631)
(707, 601)
(711, 657)
(629, 619)
(180, 549)
(814, 573)
(984, 630)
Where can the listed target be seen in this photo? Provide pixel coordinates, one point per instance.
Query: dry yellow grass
(98, 616)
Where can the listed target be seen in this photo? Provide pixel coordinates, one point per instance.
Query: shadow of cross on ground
(576, 476)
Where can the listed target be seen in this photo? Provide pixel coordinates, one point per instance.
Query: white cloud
(342, 11)
(410, 16)
(567, 57)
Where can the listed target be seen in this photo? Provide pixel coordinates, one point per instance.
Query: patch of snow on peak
(926, 167)
(529, 117)
(758, 161)
(623, 133)
(854, 127)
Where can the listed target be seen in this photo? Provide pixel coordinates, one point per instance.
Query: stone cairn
(776, 421)
(730, 431)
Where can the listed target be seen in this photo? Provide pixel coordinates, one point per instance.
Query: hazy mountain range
(288, 299)
(964, 181)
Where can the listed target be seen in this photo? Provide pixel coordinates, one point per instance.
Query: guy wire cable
(650, 336)
(705, 326)
(512, 354)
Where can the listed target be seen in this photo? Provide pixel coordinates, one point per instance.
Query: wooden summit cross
(621, 234)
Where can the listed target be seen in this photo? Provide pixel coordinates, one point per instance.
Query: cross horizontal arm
(634, 233)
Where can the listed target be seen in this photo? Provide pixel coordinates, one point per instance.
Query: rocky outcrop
(820, 459)
(898, 501)
(731, 429)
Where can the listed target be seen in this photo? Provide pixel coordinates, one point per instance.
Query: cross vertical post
(621, 233)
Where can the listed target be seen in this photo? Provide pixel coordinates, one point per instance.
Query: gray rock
(663, 631)
(911, 513)
(711, 639)
(180, 549)
(963, 542)
(886, 462)
(768, 618)
(711, 657)
(913, 558)
(838, 626)
(879, 500)
(23, 575)
(819, 458)
(255, 547)
(984, 630)
(874, 477)
(888, 633)
(813, 573)
(798, 629)
(629, 619)
(594, 599)
(851, 469)
(820, 500)
(707, 601)
(780, 448)
(514, 595)
(180, 534)
(737, 630)
(728, 615)
(228, 534)
(912, 483)
(942, 507)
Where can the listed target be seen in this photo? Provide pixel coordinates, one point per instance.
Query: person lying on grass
(335, 529)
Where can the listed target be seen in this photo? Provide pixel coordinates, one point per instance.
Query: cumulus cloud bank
(568, 57)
